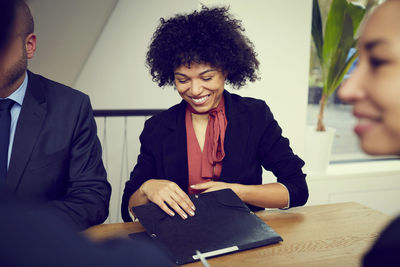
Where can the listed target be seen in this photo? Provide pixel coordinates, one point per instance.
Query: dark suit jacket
(56, 154)
(39, 238)
(253, 139)
(386, 250)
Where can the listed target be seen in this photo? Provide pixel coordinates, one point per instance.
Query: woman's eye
(377, 62)
(206, 78)
(182, 81)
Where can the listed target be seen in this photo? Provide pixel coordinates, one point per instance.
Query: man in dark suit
(37, 237)
(52, 154)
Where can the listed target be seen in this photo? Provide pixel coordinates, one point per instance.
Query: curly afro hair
(209, 36)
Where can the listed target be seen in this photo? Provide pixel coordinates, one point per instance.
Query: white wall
(373, 183)
(115, 76)
(66, 33)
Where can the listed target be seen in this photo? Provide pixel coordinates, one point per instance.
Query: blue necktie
(5, 124)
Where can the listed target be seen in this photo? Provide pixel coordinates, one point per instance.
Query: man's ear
(30, 45)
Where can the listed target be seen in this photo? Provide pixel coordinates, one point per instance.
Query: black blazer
(253, 140)
(385, 251)
(56, 154)
(39, 238)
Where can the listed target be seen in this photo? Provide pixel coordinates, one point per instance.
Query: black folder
(222, 224)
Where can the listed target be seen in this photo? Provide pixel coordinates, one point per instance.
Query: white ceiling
(66, 32)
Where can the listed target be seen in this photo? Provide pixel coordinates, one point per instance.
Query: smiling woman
(374, 91)
(213, 139)
(374, 87)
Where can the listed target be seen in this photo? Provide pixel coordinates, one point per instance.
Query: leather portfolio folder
(222, 224)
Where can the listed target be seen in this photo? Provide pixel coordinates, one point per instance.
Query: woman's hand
(214, 186)
(163, 192)
(274, 195)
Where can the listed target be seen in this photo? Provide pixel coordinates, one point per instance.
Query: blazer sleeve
(277, 156)
(143, 170)
(87, 195)
(37, 237)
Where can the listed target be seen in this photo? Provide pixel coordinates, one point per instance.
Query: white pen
(202, 259)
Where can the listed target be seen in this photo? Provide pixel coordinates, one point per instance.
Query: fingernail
(172, 214)
(191, 213)
(193, 208)
(193, 186)
(184, 216)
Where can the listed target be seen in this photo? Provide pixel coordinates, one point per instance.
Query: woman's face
(374, 86)
(200, 85)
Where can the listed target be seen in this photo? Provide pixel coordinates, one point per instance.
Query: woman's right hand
(163, 192)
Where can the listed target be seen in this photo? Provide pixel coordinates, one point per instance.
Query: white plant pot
(318, 149)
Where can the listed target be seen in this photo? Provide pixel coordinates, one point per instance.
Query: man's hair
(208, 36)
(25, 17)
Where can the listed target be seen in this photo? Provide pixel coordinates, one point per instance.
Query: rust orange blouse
(206, 165)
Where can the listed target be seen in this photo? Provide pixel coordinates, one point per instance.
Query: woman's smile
(198, 101)
(366, 122)
(200, 85)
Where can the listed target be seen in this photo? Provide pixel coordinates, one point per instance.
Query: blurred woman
(374, 90)
(213, 139)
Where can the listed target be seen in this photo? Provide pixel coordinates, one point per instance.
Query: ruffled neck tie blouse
(206, 165)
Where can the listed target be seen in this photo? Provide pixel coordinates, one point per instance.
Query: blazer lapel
(28, 128)
(175, 148)
(236, 138)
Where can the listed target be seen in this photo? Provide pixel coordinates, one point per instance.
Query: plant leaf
(338, 62)
(333, 32)
(316, 30)
(357, 14)
(344, 70)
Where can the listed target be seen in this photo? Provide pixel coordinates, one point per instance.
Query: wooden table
(325, 235)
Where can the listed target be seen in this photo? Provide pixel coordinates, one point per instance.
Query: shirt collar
(19, 94)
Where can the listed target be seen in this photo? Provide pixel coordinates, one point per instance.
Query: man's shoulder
(52, 88)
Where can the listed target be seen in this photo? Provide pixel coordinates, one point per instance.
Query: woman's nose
(351, 89)
(196, 88)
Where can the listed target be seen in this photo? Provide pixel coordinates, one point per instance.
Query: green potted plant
(334, 44)
(332, 48)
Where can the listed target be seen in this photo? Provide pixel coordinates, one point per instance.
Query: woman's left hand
(273, 195)
(214, 186)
